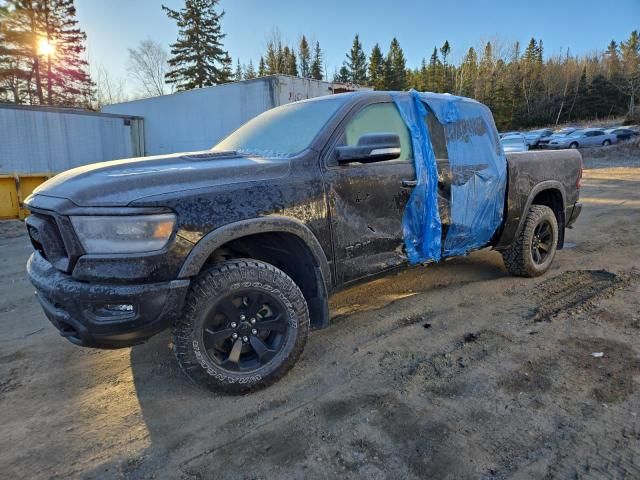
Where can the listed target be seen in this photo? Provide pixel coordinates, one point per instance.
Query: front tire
(574, 145)
(245, 325)
(533, 251)
(606, 143)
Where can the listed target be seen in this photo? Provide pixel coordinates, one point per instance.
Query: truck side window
(379, 118)
(436, 132)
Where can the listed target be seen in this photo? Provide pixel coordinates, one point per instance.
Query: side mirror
(373, 147)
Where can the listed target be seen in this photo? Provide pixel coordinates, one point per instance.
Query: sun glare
(45, 47)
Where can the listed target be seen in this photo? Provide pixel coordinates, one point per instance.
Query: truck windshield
(282, 131)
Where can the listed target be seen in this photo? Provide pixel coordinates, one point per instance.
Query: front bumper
(81, 311)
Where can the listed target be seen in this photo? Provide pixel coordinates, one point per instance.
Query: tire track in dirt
(575, 290)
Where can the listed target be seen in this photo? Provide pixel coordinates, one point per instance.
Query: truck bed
(535, 173)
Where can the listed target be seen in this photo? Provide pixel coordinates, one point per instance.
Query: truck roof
(436, 97)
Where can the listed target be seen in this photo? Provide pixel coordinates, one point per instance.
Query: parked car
(623, 134)
(534, 136)
(514, 143)
(544, 141)
(589, 137)
(506, 134)
(238, 248)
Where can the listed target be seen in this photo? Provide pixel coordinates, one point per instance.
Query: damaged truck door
(366, 194)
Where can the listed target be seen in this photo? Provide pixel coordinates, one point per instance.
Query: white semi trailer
(198, 119)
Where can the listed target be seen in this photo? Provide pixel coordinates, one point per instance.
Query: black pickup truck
(238, 248)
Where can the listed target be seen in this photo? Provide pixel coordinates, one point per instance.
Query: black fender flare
(511, 231)
(541, 187)
(232, 231)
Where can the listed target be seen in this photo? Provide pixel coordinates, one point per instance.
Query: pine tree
(239, 75)
(483, 90)
(226, 75)
(343, 75)
(198, 57)
(630, 81)
(67, 78)
(249, 72)
(468, 73)
(445, 50)
(288, 62)
(532, 78)
(293, 62)
(603, 98)
(317, 64)
(13, 68)
(612, 61)
(356, 63)
(423, 76)
(304, 56)
(262, 68)
(376, 68)
(581, 94)
(434, 75)
(274, 57)
(43, 48)
(445, 81)
(396, 72)
(539, 53)
(499, 100)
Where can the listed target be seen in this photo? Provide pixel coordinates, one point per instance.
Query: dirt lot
(451, 371)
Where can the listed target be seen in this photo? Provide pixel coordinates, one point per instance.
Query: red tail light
(579, 177)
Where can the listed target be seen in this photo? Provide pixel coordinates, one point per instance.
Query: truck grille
(45, 238)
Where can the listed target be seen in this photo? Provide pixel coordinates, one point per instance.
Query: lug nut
(253, 321)
(254, 332)
(234, 336)
(234, 324)
(242, 317)
(245, 339)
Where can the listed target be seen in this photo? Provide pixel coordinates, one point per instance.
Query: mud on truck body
(238, 249)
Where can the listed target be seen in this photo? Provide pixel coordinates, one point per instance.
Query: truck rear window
(282, 131)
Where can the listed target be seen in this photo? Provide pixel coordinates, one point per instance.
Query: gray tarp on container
(51, 140)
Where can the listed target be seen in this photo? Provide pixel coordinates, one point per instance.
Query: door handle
(409, 183)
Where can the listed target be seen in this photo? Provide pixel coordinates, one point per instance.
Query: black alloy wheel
(245, 330)
(245, 324)
(534, 248)
(542, 242)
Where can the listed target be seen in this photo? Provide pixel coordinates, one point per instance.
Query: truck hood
(117, 183)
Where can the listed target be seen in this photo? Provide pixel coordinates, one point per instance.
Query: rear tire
(244, 326)
(606, 143)
(533, 251)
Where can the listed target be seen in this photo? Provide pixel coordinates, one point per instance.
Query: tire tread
(515, 259)
(205, 286)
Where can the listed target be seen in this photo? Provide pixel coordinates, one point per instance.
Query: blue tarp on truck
(478, 171)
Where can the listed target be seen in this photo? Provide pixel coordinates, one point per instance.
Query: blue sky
(582, 25)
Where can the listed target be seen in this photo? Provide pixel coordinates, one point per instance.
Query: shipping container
(51, 140)
(38, 142)
(198, 119)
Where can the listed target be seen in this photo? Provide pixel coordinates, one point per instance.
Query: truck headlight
(124, 234)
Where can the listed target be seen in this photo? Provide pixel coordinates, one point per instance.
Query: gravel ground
(450, 371)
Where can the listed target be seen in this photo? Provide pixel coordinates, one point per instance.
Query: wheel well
(289, 253)
(552, 198)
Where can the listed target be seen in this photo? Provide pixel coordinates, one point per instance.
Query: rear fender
(513, 229)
